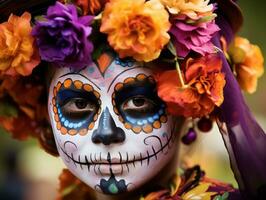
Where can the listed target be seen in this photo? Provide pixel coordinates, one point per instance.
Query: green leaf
(7, 109)
(40, 18)
(218, 197)
(171, 48)
(98, 51)
(69, 189)
(225, 196)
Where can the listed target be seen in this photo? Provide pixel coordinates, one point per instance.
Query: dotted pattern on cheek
(141, 125)
(64, 125)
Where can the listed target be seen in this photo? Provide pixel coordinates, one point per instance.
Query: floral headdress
(194, 36)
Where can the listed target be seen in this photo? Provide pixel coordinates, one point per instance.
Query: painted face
(110, 127)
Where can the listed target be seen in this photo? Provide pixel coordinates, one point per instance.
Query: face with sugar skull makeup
(111, 129)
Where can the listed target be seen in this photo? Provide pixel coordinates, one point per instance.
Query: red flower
(203, 88)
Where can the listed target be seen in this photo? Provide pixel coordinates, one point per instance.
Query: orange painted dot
(88, 88)
(121, 119)
(163, 119)
(58, 125)
(113, 95)
(63, 130)
(128, 126)
(136, 129)
(78, 84)
(95, 117)
(97, 94)
(53, 101)
(56, 118)
(55, 109)
(54, 91)
(116, 111)
(72, 132)
(141, 77)
(91, 125)
(118, 86)
(58, 86)
(147, 128)
(129, 80)
(113, 102)
(67, 83)
(99, 111)
(156, 124)
(83, 132)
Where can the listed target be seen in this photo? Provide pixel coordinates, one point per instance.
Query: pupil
(138, 102)
(81, 103)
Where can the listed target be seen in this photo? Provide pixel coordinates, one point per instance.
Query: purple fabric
(243, 137)
(62, 37)
(225, 27)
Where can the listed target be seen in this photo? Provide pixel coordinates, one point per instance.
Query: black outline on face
(112, 184)
(94, 160)
(153, 121)
(74, 85)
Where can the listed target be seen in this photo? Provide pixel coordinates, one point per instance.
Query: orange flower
(91, 6)
(248, 63)
(191, 8)
(18, 54)
(203, 90)
(136, 28)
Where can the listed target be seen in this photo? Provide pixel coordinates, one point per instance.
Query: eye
(138, 106)
(78, 108)
(138, 103)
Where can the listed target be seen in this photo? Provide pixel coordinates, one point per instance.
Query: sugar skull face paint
(111, 129)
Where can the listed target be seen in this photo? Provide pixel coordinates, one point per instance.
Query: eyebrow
(120, 75)
(71, 73)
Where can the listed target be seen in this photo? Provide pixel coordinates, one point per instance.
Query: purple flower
(62, 37)
(197, 38)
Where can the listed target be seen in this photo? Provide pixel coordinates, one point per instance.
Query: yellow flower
(248, 63)
(191, 8)
(18, 54)
(199, 193)
(136, 28)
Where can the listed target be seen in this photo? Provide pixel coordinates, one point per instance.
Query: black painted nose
(107, 132)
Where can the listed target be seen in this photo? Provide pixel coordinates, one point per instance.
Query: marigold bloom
(91, 7)
(18, 54)
(248, 63)
(136, 28)
(190, 8)
(203, 91)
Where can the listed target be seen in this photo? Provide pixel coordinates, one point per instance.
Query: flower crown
(177, 32)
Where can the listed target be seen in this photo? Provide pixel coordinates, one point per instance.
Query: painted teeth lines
(64, 125)
(90, 162)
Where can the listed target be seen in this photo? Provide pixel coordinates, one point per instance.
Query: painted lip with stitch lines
(116, 165)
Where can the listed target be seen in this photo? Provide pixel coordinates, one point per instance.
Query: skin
(111, 129)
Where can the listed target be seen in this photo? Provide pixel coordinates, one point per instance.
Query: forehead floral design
(189, 37)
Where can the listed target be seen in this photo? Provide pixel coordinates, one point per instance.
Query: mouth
(117, 165)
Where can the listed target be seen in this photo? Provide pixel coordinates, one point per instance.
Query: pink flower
(195, 37)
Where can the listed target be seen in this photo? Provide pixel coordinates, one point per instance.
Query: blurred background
(26, 170)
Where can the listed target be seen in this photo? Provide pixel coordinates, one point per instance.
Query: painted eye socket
(78, 108)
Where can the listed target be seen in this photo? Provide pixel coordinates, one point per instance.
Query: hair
(36, 8)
